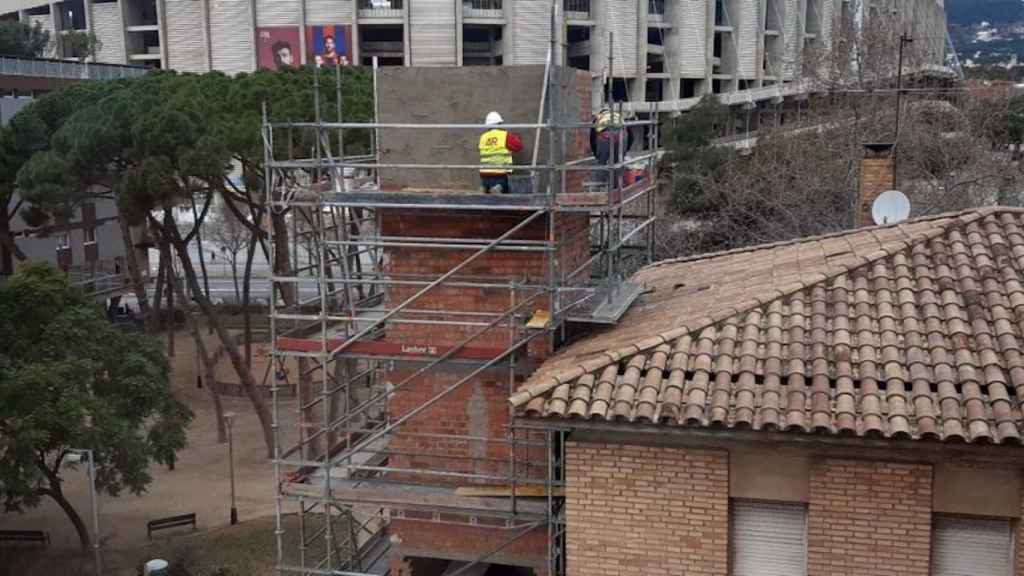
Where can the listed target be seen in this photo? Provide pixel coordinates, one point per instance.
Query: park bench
(170, 522)
(25, 536)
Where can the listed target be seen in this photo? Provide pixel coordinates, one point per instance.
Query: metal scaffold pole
(347, 312)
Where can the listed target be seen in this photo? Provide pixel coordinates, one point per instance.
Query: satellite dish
(890, 207)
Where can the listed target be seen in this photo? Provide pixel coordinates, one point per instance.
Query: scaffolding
(351, 464)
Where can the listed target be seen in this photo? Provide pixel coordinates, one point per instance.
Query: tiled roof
(912, 331)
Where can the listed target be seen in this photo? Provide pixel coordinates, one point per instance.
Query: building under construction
(409, 306)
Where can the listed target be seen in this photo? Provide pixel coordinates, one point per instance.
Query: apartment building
(666, 51)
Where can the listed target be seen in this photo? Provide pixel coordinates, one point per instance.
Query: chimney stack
(876, 176)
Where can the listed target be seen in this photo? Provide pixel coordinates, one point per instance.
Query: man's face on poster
(284, 56)
(329, 45)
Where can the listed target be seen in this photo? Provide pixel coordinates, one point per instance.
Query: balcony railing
(42, 68)
(381, 8)
(482, 8)
(577, 8)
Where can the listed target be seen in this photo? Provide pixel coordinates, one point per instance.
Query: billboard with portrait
(329, 45)
(277, 47)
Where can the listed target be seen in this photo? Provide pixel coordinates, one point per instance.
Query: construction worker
(496, 149)
(606, 141)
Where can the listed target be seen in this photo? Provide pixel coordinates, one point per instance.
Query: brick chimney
(876, 176)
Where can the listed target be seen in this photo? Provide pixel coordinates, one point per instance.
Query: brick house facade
(659, 509)
(842, 405)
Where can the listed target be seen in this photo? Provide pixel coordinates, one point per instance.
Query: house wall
(646, 510)
(869, 518)
(41, 244)
(662, 509)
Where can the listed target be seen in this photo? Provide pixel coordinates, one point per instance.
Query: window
(63, 242)
(90, 235)
(970, 546)
(767, 539)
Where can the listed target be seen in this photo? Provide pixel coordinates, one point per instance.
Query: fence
(11, 66)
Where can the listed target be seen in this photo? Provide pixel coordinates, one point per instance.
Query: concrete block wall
(465, 96)
(869, 518)
(646, 510)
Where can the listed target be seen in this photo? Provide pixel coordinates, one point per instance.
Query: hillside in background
(987, 32)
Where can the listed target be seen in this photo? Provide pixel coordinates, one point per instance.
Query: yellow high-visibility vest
(493, 151)
(605, 119)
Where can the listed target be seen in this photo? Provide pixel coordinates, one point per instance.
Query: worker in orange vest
(496, 149)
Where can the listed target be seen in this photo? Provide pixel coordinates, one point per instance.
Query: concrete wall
(11, 106)
(465, 96)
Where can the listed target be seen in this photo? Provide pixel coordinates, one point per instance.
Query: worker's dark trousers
(607, 147)
(491, 180)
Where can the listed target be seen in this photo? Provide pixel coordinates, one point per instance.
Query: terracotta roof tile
(907, 331)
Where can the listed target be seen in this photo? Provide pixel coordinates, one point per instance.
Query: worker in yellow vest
(608, 140)
(496, 149)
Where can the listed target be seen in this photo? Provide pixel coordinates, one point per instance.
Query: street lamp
(229, 419)
(92, 500)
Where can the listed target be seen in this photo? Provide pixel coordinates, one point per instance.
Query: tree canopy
(69, 379)
(23, 40)
(166, 140)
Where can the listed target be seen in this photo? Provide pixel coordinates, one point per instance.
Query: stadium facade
(668, 51)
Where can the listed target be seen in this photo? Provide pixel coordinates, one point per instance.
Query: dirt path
(199, 482)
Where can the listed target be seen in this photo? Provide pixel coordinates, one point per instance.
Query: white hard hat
(493, 118)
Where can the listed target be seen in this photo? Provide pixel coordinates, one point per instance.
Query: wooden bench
(25, 536)
(170, 522)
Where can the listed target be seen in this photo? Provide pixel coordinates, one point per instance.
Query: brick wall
(869, 518)
(875, 178)
(497, 266)
(477, 409)
(428, 539)
(1018, 547)
(646, 511)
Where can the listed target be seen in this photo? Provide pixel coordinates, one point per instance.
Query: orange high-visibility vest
(494, 152)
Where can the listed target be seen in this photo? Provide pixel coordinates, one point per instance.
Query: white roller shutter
(747, 16)
(186, 37)
(106, 24)
(691, 21)
(432, 33)
(792, 27)
(277, 13)
(232, 47)
(623, 19)
(970, 547)
(768, 539)
(827, 18)
(330, 12)
(532, 32)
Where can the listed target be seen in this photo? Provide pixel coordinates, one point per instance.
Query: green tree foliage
(691, 156)
(1012, 125)
(70, 379)
(22, 40)
(80, 44)
(167, 139)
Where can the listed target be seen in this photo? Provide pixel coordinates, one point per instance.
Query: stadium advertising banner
(329, 45)
(278, 47)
